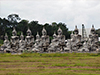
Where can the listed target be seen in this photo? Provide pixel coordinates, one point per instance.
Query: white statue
(36, 46)
(21, 43)
(93, 39)
(44, 40)
(6, 46)
(54, 45)
(29, 40)
(61, 39)
(14, 41)
(75, 39)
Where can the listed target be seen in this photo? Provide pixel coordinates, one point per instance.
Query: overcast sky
(70, 12)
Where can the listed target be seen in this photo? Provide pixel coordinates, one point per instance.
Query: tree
(22, 26)
(3, 27)
(54, 23)
(13, 19)
(35, 27)
(98, 32)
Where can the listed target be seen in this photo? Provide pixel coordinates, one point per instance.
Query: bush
(1, 42)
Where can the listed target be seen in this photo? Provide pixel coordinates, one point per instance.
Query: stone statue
(75, 40)
(21, 43)
(44, 40)
(68, 46)
(14, 41)
(61, 39)
(29, 40)
(6, 46)
(76, 37)
(93, 39)
(54, 46)
(36, 46)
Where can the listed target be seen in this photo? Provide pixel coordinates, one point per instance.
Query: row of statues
(58, 44)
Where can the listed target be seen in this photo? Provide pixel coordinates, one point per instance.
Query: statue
(6, 46)
(68, 47)
(14, 41)
(36, 46)
(29, 40)
(54, 46)
(61, 39)
(44, 40)
(21, 43)
(75, 40)
(93, 39)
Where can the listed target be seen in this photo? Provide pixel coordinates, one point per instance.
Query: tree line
(13, 20)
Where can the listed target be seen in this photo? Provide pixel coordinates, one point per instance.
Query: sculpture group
(42, 44)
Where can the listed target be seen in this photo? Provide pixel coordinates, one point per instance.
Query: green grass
(50, 64)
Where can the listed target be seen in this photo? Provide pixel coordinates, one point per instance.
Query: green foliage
(1, 41)
(13, 19)
(98, 32)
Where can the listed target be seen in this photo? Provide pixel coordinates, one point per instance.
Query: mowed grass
(50, 64)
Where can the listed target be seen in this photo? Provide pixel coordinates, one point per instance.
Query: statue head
(59, 31)
(6, 36)
(76, 30)
(14, 33)
(37, 36)
(54, 35)
(92, 30)
(21, 36)
(28, 32)
(44, 32)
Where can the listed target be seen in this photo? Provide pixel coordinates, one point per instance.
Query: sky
(70, 12)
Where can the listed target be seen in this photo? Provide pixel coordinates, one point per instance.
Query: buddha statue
(44, 40)
(21, 43)
(61, 39)
(29, 40)
(14, 41)
(6, 46)
(36, 46)
(93, 39)
(75, 40)
(54, 45)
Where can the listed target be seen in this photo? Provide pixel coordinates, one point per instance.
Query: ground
(50, 64)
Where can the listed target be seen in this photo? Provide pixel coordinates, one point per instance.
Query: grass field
(50, 64)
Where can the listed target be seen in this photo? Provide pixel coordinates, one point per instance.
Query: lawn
(50, 64)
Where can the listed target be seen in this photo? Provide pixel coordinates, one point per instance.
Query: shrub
(1, 41)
